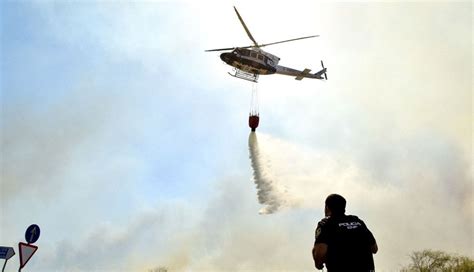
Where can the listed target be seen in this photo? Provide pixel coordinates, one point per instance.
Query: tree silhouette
(158, 269)
(438, 261)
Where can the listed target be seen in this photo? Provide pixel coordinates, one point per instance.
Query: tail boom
(299, 75)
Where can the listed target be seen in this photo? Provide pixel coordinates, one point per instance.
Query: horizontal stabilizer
(303, 74)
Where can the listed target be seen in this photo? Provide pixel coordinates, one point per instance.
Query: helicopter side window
(253, 55)
(245, 53)
(260, 57)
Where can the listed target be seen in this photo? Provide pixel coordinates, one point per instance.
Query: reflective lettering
(350, 225)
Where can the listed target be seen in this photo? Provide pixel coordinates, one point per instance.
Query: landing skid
(244, 75)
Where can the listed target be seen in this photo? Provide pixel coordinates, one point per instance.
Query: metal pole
(5, 264)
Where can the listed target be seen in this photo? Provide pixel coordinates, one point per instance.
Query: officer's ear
(327, 211)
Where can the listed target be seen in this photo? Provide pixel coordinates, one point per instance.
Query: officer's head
(335, 205)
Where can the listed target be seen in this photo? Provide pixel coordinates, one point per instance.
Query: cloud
(391, 131)
(150, 237)
(407, 208)
(404, 190)
(38, 145)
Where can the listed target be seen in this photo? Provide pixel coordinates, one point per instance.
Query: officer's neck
(328, 213)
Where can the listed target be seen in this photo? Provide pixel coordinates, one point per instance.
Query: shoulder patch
(318, 232)
(321, 225)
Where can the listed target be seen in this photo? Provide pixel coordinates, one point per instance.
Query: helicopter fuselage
(255, 61)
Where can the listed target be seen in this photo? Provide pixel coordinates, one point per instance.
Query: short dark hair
(336, 203)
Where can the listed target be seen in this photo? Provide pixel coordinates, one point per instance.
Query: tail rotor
(324, 69)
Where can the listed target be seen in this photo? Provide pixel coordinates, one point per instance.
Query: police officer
(343, 242)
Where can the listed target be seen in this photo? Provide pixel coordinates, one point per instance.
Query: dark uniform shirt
(349, 243)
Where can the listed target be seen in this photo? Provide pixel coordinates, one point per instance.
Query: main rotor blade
(230, 48)
(262, 45)
(220, 49)
(246, 29)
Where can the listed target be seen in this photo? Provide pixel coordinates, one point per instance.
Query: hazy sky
(129, 145)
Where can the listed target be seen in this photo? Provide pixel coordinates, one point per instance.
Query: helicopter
(251, 61)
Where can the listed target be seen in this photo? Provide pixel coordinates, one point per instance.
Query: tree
(438, 261)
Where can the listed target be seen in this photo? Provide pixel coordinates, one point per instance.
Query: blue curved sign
(6, 252)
